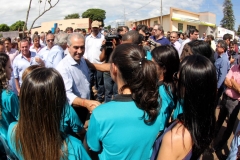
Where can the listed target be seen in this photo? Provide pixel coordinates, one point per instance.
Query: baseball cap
(95, 24)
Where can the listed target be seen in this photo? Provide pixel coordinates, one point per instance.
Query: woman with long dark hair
(9, 105)
(37, 134)
(192, 133)
(167, 60)
(126, 127)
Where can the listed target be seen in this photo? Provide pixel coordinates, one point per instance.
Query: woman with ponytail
(126, 127)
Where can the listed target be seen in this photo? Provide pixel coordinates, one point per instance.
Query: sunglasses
(50, 40)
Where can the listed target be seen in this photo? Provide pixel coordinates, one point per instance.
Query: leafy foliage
(72, 16)
(238, 31)
(95, 14)
(4, 28)
(17, 26)
(228, 20)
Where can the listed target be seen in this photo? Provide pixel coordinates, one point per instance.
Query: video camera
(109, 38)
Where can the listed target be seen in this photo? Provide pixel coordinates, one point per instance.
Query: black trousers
(230, 107)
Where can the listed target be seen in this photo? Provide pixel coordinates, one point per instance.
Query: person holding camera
(110, 42)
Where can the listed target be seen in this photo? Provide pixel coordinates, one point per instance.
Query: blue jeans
(110, 87)
(97, 77)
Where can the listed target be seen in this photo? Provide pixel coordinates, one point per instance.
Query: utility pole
(161, 14)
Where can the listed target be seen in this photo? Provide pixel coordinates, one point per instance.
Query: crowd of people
(120, 94)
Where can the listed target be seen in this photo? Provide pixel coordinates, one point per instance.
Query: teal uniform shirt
(72, 123)
(167, 106)
(117, 130)
(75, 149)
(149, 56)
(178, 110)
(10, 109)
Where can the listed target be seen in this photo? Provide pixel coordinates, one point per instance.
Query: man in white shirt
(36, 47)
(12, 53)
(192, 34)
(23, 61)
(75, 73)
(92, 53)
(174, 40)
(51, 54)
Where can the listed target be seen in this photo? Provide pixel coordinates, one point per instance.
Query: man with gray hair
(51, 54)
(159, 35)
(75, 73)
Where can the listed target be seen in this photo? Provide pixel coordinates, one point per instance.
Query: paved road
(225, 150)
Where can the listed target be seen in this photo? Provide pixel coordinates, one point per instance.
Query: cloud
(134, 9)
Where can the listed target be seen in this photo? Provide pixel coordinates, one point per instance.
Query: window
(155, 22)
(60, 24)
(180, 27)
(189, 26)
(73, 23)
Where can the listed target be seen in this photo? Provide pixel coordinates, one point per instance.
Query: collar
(31, 53)
(71, 60)
(98, 35)
(158, 39)
(123, 98)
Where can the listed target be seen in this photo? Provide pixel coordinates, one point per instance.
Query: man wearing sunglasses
(51, 54)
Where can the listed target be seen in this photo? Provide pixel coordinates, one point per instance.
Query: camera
(109, 38)
(151, 42)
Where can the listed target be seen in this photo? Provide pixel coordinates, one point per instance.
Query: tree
(17, 26)
(95, 14)
(108, 27)
(4, 28)
(238, 31)
(72, 16)
(228, 20)
(40, 13)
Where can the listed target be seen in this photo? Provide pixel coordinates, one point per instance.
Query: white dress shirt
(177, 46)
(32, 49)
(183, 44)
(20, 63)
(76, 78)
(92, 48)
(51, 57)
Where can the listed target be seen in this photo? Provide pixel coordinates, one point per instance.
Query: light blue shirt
(117, 130)
(76, 78)
(10, 108)
(51, 57)
(43, 53)
(234, 147)
(222, 65)
(75, 149)
(20, 63)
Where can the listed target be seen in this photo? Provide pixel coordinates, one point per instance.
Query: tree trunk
(29, 7)
(43, 13)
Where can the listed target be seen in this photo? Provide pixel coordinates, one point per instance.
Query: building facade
(83, 23)
(181, 20)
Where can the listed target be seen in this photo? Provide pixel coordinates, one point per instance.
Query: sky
(14, 10)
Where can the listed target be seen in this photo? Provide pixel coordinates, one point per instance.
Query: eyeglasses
(50, 40)
(175, 77)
